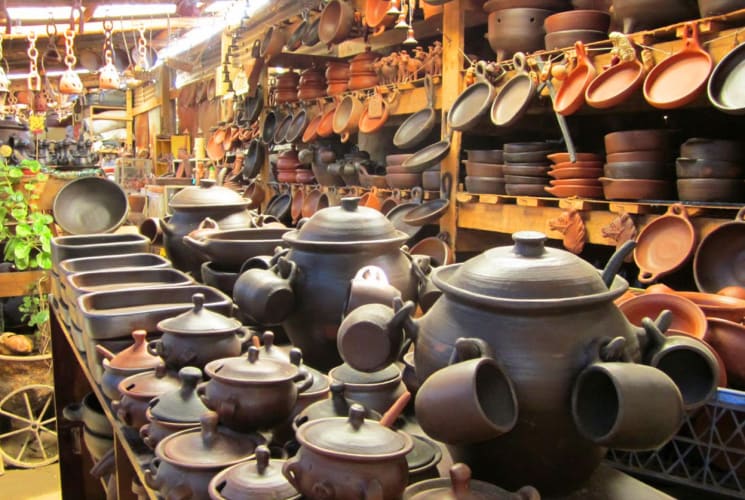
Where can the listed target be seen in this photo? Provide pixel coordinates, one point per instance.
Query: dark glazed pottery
(137, 391)
(130, 361)
(375, 391)
(349, 459)
(186, 462)
(196, 337)
(93, 245)
(258, 479)
(190, 207)
(460, 486)
(328, 250)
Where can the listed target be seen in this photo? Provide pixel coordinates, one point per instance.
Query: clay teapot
(132, 360)
(190, 207)
(545, 315)
(327, 252)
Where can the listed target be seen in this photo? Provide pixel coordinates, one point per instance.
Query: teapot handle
(156, 348)
(151, 474)
(145, 435)
(470, 348)
(291, 470)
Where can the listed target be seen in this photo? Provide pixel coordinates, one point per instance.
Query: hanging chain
(142, 48)
(34, 81)
(108, 45)
(70, 59)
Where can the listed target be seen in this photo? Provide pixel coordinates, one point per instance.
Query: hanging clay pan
(665, 244)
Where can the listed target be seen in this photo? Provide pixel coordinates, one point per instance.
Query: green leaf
(21, 262)
(15, 173)
(22, 250)
(29, 186)
(41, 177)
(23, 230)
(46, 245)
(19, 213)
(45, 260)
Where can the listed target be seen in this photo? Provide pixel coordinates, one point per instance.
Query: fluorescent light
(39, 13)
(23, 76)
(118, 10)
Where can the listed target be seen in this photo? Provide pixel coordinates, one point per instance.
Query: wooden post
(167, 123)
(453, 21)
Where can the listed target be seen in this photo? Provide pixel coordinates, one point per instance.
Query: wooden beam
(452, 62)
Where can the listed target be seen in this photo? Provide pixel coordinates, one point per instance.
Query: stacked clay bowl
(337, 77)
(287, 165)
(710, 173)
(638, 166)
(287, 87)
(399, 177)
(485, 171)
(578, 178)
(563, 29)
(526, 167)
(362, 74)
(312, 84)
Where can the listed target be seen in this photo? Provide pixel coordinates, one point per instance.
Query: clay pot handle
(291, 470)
(519, 62)
(345, 136)
(145, 435)
(392, 414)
(155, 347)
(690, 38)
(151, 471)
(647, 277)
(470, 348)
(678, 210)
(102, 351)
(304, 378)
(579, 47)
(373, 490)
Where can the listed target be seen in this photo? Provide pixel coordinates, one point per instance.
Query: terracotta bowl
(431, 179)
(362, 81)
(478, 169)
(397, 159)
(687, 316)
(578, 20)
(403, 180)
(737, 292)
(579, 190)
(576, 182)
(529, 170)
(437, 250)
(722, 190)
(657, 155)
(637, 140)
(525, 190)
(526, 179)
(485, 155)
(637, 189)
(728, 340)
(692, 168)
(563, 157)
(576, 173)
(485, 185)
(637, 170)
(579, 164)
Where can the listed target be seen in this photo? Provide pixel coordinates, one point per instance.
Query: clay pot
(637, 189)
(637, 15)
(336, 87)
(710, 190)
(376, 14)
(260, 479)
(340, 457)
(252, 393)
(197, 337)
(637, 170)
(516, 29)
(326, 125)
(185, 462)
(337, 70)
(597, 20)
(375, 391)
(336, 22)
(362, 81)
(335, 405)
(403, 180)
(712, 149)
(132, 360)
(637, 140)
(362, 63)
(653, 254)
(231, 248)
(728, 339)
(156, 430)
(715, 261)
(314, 201)
(526, 288)
(484, 169)
(136, 392)
(273, 41)
(90, 413)
(484, 185)
(687, 316)
(190, 207)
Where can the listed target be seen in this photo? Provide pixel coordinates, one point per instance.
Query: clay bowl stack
(312, 84)
(526, 167)
(710, 171)
(286, 89)
(431, 178)
(287, 166)
(578, 178)
(638, 166)
(485, 171)
(362, 74)
(400, 177)
(563, 29)
(337, 77)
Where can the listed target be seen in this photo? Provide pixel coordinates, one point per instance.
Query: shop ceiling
(164, 21)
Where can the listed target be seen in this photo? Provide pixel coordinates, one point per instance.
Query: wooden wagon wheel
(30, 439)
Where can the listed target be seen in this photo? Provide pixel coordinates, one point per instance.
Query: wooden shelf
(131, 454)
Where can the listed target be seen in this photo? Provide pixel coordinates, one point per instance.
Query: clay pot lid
(348, 375)
(182, 404)
(353, 437)
(424, 453)
(207, 446)
(367, 55)
(207, 195)
(460, 486)
(149, 384)
(198, 321)
(526, 271)
(346, 224)
(136, 355)
(261, 477)
(335, 406)
(252, 369)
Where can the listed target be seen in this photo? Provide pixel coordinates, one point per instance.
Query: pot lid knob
(262, 458)
(338, 401)
(460, 477)
(296, 356)
(356, 416)
(160, 370)
(267, 338)
(206, 183)
(350, 203)
(198, 300)
(208, 424)
(139, 337)
(253, 354)
(529, 243)
(190, 376)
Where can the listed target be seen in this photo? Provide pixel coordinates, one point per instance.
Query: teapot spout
(165, 227)
(614, 263)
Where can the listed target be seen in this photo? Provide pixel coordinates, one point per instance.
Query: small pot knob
(190, 376)
(198, 300)
(139, 338)
(350, 203)
(460, 477)
(262, 458)
(529, 243)
(356, 416)
(208, 423)
(253, 354)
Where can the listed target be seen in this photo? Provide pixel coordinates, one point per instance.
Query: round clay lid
(182, 404)
(345, 224)
(335, 406)
(348, 375)
(424, 452)
(199, 320)
(526, 271)
(207, 195)
(136, 355)
(149, 384)
(252, 369)
(353, 437)
(261, 477)
(460, 486)
(207, 446)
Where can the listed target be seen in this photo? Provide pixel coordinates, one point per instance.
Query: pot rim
(168, 423)
(441, 275)
(192, 466)
(360, 245)
(408, 445)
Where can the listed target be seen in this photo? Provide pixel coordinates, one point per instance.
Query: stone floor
(31, 484)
